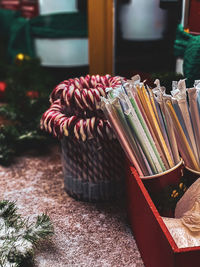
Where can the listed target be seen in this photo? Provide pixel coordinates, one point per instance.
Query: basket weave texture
(93, 170)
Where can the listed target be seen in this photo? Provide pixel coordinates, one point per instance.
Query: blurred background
(145, 36)
(43, 42)
(144, 33)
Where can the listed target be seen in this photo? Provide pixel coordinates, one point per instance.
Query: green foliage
(15, 139)
(27, 97)
(25, 77)
(8, 139)
(18, 237)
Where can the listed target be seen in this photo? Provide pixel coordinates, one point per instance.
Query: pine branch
(17, 236)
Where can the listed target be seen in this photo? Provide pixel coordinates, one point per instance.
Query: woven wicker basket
(93, 170)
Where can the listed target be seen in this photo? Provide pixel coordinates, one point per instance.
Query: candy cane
(57, 92)
(80, 97)
(83, 82)
(78, 84)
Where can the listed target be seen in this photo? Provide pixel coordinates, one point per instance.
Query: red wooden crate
(154, 241)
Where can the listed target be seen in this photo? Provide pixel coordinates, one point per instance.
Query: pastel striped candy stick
(182, 138)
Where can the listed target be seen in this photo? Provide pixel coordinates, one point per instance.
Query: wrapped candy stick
(183, 105)
(120, 131)
(152, 119)
(162, 124)
(192, 94)
(136, 128)
(182, 138)
(140, 134)
(174, 140)
(144, 126)
(170, 131)
(132, 85)
(132, 138)
(181, 116)
(156, 96)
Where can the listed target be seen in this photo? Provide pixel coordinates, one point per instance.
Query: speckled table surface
(86, 234)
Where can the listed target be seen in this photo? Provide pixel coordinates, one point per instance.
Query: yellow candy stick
(155, 125)
(153, 104)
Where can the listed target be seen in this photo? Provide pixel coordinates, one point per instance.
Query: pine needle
(18, 237)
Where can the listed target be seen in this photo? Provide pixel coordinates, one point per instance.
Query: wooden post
(101, 36)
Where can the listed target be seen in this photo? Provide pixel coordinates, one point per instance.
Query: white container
(63, 52)
(142, 20)
(53, 6)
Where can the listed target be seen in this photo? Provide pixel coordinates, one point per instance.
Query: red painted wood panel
(154, 241)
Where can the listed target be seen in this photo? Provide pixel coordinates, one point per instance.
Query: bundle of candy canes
(75, 108)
